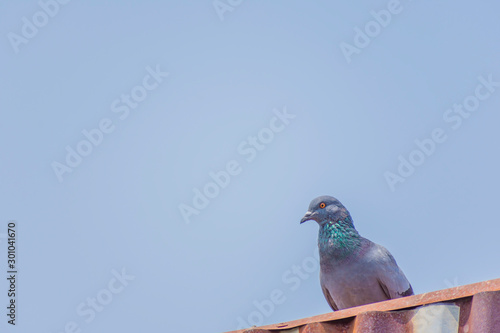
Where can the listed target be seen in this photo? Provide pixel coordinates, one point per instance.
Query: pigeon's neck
(338, 239)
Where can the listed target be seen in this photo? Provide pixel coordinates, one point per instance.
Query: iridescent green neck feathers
(338, 239)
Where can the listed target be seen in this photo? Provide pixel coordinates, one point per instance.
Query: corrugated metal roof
(474, 308)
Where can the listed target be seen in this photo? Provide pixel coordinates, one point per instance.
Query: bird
(354, 271)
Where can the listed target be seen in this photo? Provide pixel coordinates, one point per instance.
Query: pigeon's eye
(322, 205)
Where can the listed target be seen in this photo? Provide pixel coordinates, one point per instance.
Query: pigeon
(353, 270)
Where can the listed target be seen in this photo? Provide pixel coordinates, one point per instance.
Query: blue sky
(117, 117)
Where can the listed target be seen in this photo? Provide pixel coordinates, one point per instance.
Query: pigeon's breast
(351, 283)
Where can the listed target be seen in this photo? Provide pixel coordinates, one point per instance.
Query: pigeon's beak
(307, 217)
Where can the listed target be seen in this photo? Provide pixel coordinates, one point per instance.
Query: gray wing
(329, 298)
(391, 278)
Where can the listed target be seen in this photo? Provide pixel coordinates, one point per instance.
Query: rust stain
(479, 306)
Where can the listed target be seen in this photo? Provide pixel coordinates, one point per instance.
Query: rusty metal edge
(394, 304)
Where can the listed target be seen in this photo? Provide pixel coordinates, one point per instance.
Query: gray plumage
(353, 270)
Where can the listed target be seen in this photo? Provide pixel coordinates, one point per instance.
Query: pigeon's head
(325, 208)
